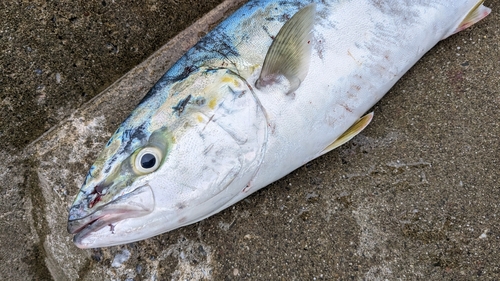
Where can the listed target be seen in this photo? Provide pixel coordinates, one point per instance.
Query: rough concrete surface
(415, 196)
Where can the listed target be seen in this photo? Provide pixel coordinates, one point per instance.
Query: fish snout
(83, 220)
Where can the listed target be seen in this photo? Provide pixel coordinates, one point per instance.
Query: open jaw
(137, 203)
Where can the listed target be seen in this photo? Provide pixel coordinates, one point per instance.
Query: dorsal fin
(355, 129)
(290, 52)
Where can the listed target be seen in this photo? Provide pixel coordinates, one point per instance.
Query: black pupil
(148, 160)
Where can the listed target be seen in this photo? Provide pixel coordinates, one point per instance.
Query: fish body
(274, 86)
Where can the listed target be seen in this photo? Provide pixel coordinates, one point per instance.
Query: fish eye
(147, 160)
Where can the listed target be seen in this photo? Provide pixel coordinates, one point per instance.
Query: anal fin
(355, 129)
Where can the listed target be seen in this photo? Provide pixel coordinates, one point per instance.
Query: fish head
(182, 155)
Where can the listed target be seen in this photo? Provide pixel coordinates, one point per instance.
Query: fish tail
(477, 13)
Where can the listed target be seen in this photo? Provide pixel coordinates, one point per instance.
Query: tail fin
(477, 13)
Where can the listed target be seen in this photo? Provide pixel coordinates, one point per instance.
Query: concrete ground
(415, 196)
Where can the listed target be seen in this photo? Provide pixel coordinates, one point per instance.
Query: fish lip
(76, 226)
(137, 203)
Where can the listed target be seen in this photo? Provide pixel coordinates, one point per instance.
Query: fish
(274, 86)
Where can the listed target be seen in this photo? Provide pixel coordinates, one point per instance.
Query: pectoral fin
(355, 129)
(290, 52)
(477, 13)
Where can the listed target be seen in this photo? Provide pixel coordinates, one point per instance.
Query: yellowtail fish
(274, 86)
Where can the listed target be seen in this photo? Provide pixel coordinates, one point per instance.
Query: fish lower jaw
(137, 203)
(85, 231)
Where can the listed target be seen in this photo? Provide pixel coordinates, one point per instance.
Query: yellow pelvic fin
(355, 129)
(290, 52)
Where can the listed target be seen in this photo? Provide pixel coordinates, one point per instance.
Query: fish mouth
(137, 203)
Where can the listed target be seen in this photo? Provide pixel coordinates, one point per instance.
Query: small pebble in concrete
(120, 258)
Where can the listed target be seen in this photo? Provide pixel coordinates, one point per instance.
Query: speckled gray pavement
(415, 196)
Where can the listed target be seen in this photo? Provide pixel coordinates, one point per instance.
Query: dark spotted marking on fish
(179, 108)
(130, 135)
(111, 228)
